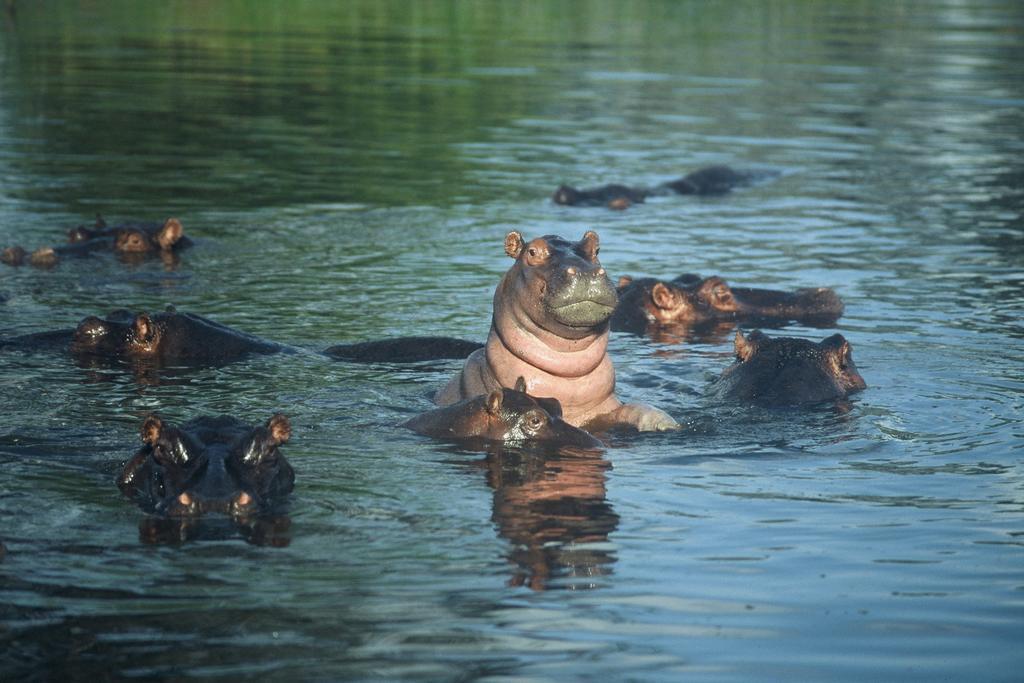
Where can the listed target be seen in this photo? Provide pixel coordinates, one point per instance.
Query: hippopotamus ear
(279, 429)
(521, 384)
(170, 233)
(143, 327)
(624, 281)
(747, 346)
(514, 244)
(716, 292)
(662, 295)
(590, 245)
(838, 349)
(151, 429)
(494, 400)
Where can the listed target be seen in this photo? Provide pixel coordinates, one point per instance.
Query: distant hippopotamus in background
(510, 416)
(128, 240)
(209, 465)
(789, 371)
(713, 180)
(691, 300)
(168, 338)
(550, 326)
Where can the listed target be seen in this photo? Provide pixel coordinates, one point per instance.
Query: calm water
(349, 172)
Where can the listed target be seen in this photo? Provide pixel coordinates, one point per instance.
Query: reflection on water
(554, 511)
(349, 171)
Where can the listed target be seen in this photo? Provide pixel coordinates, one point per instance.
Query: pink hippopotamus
(550, 326)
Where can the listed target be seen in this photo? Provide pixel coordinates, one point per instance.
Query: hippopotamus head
(561, 285)
(118, 335)
(133, 238)
(690, 299)
(787, 370)
(506, 415)
(218, 464)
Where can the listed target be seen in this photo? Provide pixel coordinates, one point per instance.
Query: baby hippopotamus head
(789, 371)
(210, 464)
(561, 285)
(138, 240)
(509, 416)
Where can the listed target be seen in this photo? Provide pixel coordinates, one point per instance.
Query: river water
(349, 171)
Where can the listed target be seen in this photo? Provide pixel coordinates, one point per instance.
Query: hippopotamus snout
(581, 294)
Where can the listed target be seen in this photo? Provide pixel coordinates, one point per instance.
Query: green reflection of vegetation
(238, 103)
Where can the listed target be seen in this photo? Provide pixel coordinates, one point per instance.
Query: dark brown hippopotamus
(168, 338)
(509, 416)
(209, 465)
(789, 371)
(550, 326)
(403, 350)
(713, 180)
(692, 300)
(128, 240)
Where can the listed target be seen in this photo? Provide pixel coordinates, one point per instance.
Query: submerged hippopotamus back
(550, 326)
(209, 464)
(789, 371)
(691, 300)
(509, 416)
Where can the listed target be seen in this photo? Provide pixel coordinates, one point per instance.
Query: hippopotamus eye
(534, 421)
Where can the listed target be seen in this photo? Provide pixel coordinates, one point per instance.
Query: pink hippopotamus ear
(514, 244)
(494, 400)
(663, 296)
(590, 245)
(151, 429)
(143, 328)
(747, 346)
(279, 429)
(170, 233)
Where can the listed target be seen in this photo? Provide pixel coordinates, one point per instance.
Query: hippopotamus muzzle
(581, 296)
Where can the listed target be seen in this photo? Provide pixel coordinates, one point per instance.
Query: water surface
(350, 172)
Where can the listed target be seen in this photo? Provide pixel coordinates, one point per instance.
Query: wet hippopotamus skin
(168, 338)
(403, 350)
(712, 180)
(128, 240)
(209, 465)
(692, 300)
(786, 371)
(550, 326)
(509, 416)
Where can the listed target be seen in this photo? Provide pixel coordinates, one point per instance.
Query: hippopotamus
(713, 180)
(691, 300)
(789, 371)
(403, 350)
(209, 465)
(509, 416)
(128, 240)
(550, 326)
(168, 338)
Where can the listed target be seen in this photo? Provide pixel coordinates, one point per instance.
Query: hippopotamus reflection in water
(689, 300)
(509, 416)
(209, 465)
(554, 511)
(161, 339)
(130, 241)
(713, 180)
(550, 326)
(789, 371)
